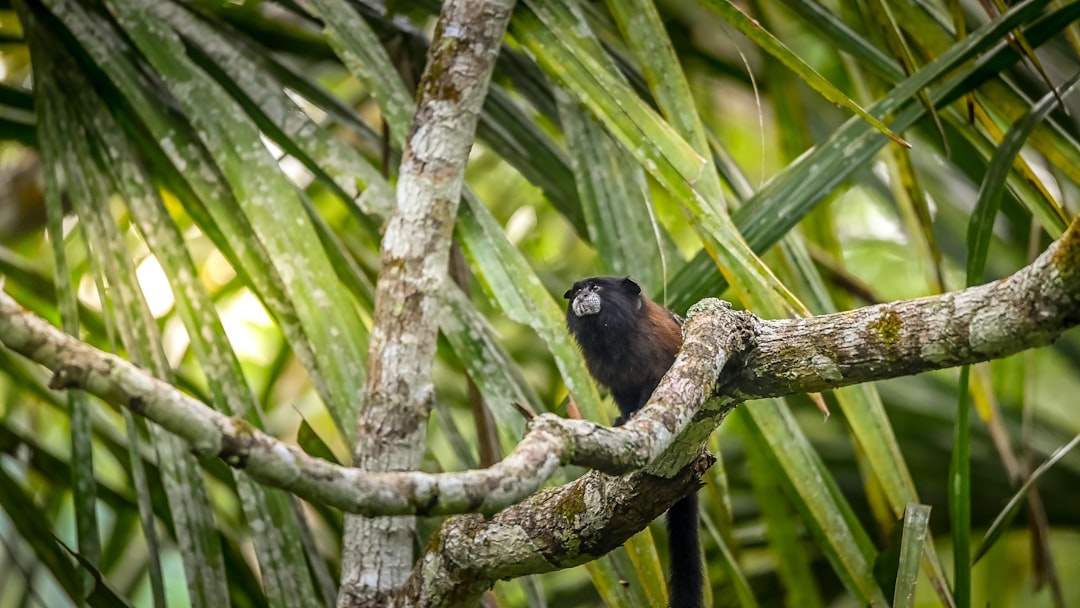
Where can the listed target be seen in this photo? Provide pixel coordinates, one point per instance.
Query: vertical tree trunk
(378, 552)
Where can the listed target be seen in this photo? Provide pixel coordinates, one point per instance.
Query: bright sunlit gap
(290, 166)
(155, 287)
(246, 324)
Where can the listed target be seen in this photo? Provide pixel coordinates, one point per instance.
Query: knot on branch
(68, 376)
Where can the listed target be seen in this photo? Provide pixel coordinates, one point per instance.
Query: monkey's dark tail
(685, 587)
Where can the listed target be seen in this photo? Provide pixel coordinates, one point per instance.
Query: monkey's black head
(604, 316)
(607, 297)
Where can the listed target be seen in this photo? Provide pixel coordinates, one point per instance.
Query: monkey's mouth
(586, 304)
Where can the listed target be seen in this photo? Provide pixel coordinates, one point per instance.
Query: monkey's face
(586, 302)
(587, 296)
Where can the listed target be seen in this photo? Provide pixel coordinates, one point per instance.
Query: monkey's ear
(569, 292)
(630, 286)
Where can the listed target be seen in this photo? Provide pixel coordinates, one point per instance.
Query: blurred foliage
(199, 186)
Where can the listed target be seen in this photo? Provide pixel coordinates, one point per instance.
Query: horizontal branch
(550, 442)
(571, 524)
(1029, 309)
(555, 528)
(727, 357)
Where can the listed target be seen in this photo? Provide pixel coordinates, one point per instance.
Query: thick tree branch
(572, 524)
(1031, 308)
(1027, 309)
(557, 528)
(727, 357)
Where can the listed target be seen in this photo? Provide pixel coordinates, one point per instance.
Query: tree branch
(727, 357)
(554, 529)
(550, 441)
(572, 524)
(1028, 309)
(1031, 308)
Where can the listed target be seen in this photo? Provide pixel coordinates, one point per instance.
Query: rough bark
(377, 553)
(557, 528)
(727, 357)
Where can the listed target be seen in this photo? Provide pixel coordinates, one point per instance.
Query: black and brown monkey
(629, 343)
